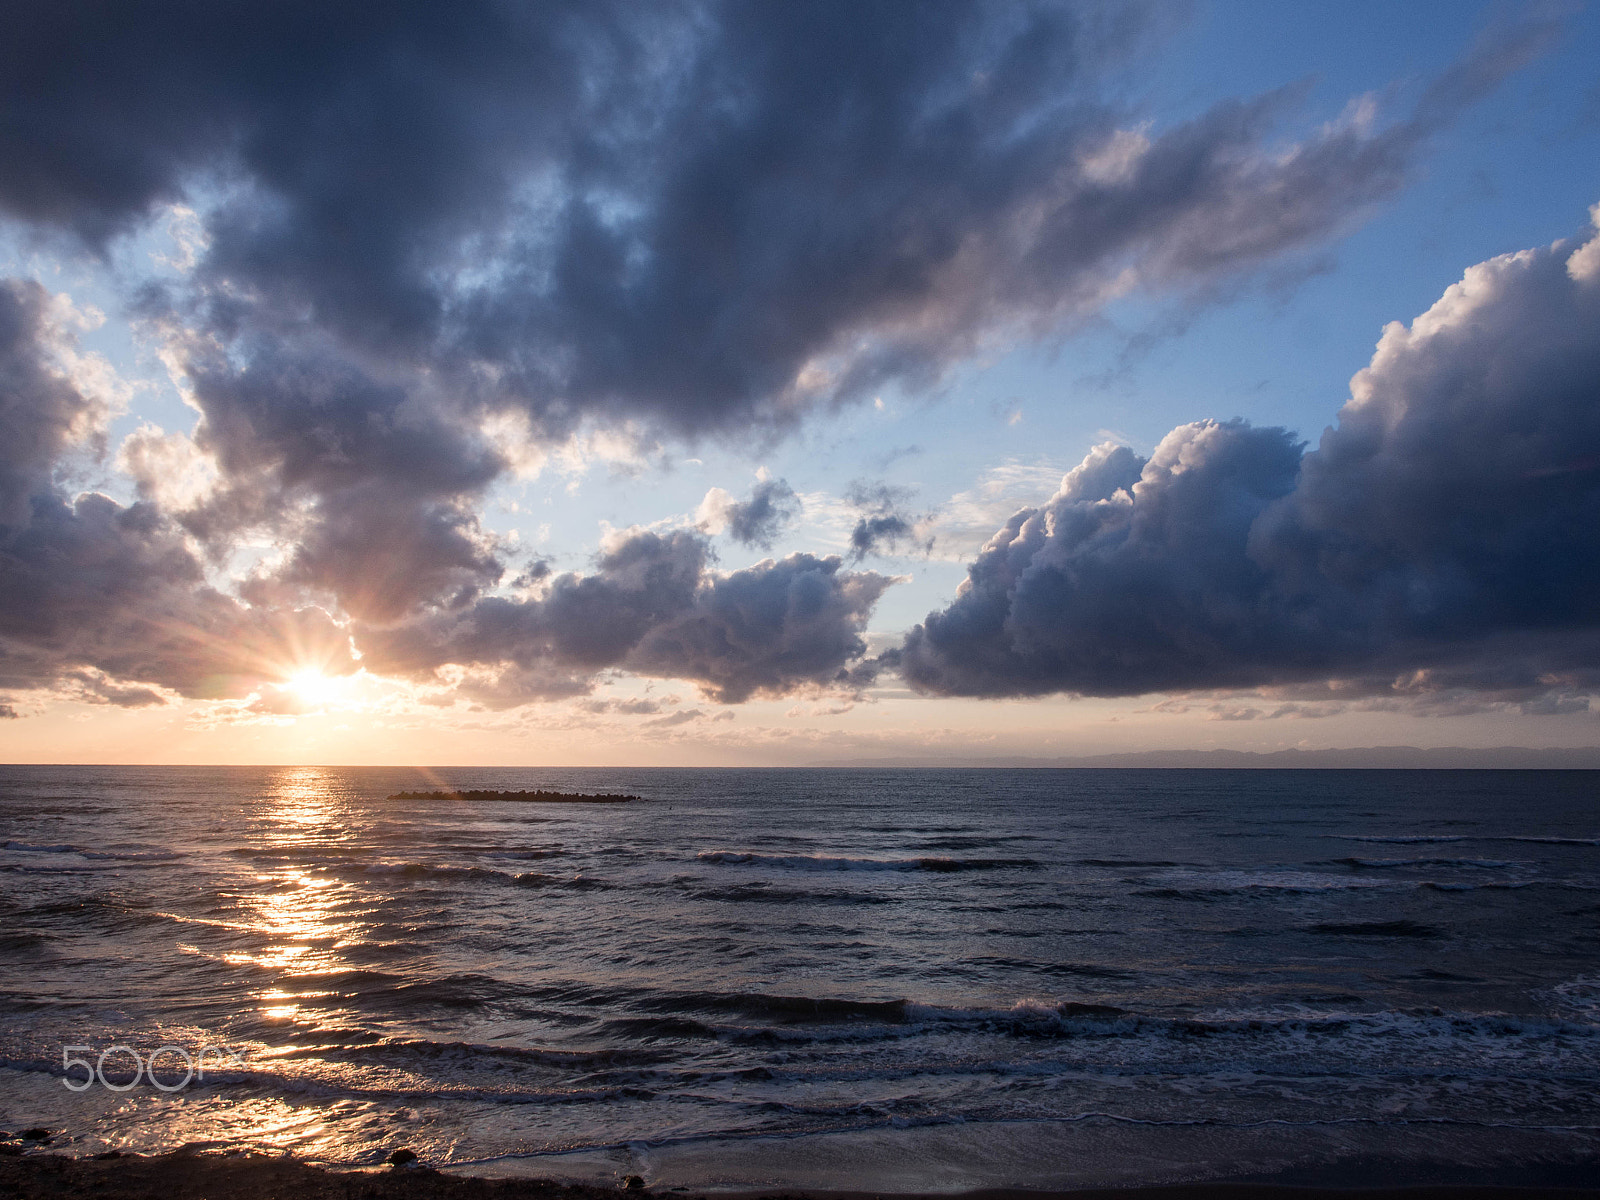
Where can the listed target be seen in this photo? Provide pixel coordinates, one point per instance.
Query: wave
(1402, 928)
(1438, 885)
(1554, 841)
(1127, 862)
(973, 842)
(819, 862)
(1074, 970)
(475, 1053)
(1206, 893)
(297, 854)
(352, 867)
(1378, 864)
(128, 856)
(638, 1051)
(416, 870)
(1033, 1018)
(19, 941)
(1201, 885)
(256, 1074)
(694, 1015)
(761, 893)
(652, 1029)
(1426, 839)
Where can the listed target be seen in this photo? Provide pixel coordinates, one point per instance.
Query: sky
(701, 384)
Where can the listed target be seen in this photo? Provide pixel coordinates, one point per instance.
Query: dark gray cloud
(92, 584)
(94, 687)
(702, 215)
(768, 629)
(371, 483)
(109, 602)
(757, 521)
(1442, 541)
(42, 413)
(92, 592)
(687, 218)
(653, 607)
(883, 526)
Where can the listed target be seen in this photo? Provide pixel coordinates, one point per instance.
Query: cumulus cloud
(962, 524)
(757, 521)
(654, 607)
(768, 629)
(1442, 540)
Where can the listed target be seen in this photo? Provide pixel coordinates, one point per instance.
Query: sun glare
(314, 688)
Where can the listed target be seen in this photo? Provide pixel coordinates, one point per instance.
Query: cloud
(631, 707)
(418, 247)
(42, 413)
(90, 583)
(681, 717)
(95, 687)
(403, 227)
(962, 524)
(770, 629)
(371, 487)
(882, 525)
(1442, 541)
(93, 592)
(652, 607)
(758, 521)
(111, 602)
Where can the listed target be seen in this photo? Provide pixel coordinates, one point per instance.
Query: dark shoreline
(186, 1175)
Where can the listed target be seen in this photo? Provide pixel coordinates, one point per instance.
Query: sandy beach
(191, 1176)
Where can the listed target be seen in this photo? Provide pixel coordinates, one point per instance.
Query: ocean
(871, 979)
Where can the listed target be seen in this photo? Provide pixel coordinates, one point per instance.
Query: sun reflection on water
(304, 916)
(304, 807)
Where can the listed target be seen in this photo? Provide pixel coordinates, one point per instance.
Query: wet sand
(189, 1176)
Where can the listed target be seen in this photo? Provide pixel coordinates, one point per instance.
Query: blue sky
(940, 417)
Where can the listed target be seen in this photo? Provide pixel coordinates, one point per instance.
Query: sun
(314, 688)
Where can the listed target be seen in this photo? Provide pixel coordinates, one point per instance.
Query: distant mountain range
(1360, 758)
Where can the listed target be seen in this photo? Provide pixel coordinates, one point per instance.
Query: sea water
(872, 979)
